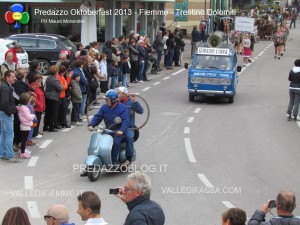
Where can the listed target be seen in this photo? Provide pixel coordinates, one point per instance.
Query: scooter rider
(133, 107)
(108, 112)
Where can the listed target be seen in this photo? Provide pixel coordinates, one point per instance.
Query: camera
(272, 204)
(114, 191)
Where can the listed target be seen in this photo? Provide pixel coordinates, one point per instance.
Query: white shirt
(95, 221)
(103, 67)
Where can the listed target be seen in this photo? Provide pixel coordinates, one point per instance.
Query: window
(47, 44)
(28, 43)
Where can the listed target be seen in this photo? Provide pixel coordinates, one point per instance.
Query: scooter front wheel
(93, 173)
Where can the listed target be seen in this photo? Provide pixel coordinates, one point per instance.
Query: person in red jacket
(40, 106)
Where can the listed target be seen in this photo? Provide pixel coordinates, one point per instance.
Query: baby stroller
(152, 67)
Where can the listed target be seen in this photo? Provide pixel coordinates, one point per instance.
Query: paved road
(207, 156)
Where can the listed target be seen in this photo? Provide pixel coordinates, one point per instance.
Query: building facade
(87, 21)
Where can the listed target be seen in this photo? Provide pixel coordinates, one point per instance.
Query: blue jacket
(83, 83)
(108, 115)
(133, 107)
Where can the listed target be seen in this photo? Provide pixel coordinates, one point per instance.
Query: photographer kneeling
(285, 205)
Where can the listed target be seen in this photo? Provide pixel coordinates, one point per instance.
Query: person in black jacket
(7, 109)
(285, 205)
(294, 90)
(136, 195)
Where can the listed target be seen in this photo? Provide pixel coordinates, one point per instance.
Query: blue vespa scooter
(99, 152)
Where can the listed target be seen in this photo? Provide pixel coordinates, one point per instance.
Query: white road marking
(261, 53)
(33, 209)
(186, 130)
(146, 89)
(28, 182)
(189, 150)
(179, 71)
(33, 160)
(197, 110)
(205, 180)
(298, 123)
(166, 78)
(156, 83)
(67, 129)
(45, 143)
(228, 204)
(191, 119)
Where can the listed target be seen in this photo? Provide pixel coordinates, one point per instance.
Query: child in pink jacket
(26, 122)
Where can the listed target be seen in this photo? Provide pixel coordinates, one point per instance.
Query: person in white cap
(134, 107)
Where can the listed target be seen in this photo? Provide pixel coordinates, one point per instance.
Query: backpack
(6, 66)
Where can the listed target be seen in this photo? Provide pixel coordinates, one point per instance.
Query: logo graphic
(17, 15)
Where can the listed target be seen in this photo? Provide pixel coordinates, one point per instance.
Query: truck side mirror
(239, 69)
(186, 65)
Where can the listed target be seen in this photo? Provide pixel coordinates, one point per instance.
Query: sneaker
(295, 118)
(13, 160)
(73, 123)
(25, 156)
(278, 57)
(126, 163)
(38, 136)
(275, 57)
(30, 143)
(83, 117)
(250, 60)
(16, 147)
(289, 117)
(140, 81)
(78, 124)
(27, 151)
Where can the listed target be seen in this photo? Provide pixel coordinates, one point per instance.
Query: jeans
(141, 69)
(113, 81)
(6, 135)
(30, 134)
(129, 143)
(170, 58)
(116, 149)
(159, 55)
(294, 102)
(83, 104)
(293, 21)
(124, 80)
(75, 112)
(36, 129)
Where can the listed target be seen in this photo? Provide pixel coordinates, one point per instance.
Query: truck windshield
(212, 62)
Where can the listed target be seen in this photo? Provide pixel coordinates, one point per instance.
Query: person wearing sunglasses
(57, 215)
(136, 195)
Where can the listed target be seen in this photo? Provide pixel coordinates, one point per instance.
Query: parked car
(8, 44)
(44, 47)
